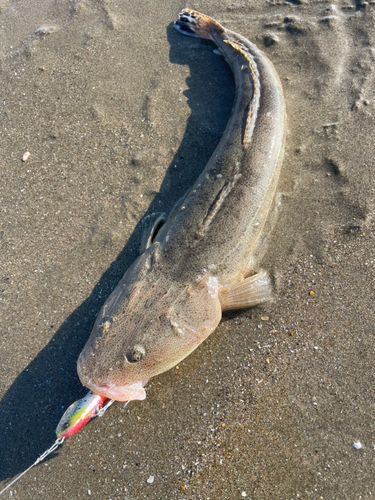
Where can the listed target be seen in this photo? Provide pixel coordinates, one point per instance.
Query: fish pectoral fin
(247, 293)
(151, 225)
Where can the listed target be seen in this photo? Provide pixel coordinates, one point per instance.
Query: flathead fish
(201, 259)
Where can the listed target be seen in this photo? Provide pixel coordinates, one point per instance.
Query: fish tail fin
(193, 23)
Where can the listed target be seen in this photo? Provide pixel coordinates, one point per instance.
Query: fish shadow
(35, 402)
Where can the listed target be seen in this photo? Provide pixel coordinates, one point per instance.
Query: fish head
(146, 327)
(193, 23)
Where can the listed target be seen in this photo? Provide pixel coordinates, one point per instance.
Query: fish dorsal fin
(151, 225)
(252, 111)
(218, 202)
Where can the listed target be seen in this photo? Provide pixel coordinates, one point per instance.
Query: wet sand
(120, 113)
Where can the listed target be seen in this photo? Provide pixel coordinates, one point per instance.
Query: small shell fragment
(44, 30)
(264, 318)
(25, 156)
(150, 480)
(357, 445)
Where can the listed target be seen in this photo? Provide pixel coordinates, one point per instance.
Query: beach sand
(120, 113)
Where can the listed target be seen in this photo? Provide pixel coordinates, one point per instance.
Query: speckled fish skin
(196, 265)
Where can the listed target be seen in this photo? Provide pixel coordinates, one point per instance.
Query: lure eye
(135, 354)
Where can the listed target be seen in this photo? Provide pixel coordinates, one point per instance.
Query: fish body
(200, 260)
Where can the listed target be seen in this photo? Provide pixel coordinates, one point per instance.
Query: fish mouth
(128, 392)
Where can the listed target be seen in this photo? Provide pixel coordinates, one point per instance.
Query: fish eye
(135, 354)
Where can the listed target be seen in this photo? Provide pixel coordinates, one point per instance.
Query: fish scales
(200, 260)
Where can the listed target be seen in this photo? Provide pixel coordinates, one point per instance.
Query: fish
(201, 259)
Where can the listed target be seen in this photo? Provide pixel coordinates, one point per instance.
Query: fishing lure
(75, 417)
(81, 412)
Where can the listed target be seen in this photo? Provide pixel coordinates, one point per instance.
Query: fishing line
(74, 420)
(55, 445)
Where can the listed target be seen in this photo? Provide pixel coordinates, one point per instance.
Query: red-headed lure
(74, 418)
(81, 412)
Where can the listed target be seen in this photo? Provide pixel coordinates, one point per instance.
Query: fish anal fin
(151, 225)
(247, 293)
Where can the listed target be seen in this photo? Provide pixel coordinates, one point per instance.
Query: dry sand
(120, 113)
